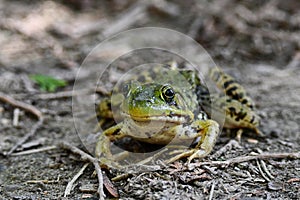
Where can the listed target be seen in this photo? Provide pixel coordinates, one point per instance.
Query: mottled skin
(163, 105)
(238, 106)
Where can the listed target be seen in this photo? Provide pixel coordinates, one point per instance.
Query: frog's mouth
(178, 119)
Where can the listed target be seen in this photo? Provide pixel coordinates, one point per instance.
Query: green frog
(164, 104)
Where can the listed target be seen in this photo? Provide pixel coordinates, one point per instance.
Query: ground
(257, 43)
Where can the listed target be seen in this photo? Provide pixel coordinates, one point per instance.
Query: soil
(257, 43)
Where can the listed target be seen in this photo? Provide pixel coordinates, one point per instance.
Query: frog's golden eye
(168, 92)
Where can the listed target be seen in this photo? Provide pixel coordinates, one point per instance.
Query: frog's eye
(168, 92)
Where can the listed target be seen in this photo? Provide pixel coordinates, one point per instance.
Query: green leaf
(47, 83)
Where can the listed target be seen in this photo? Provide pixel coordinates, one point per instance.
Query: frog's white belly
(157, 132)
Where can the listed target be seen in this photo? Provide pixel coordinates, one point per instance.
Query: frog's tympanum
(164, 104)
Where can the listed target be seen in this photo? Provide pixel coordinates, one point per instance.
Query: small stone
(274, 133)
(87, 196)
(274, 186)
(252, 141)
(2, 167)
(5, 121)
(88, 188)
(11, 188)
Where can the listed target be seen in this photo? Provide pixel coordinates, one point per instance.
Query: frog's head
(158, 102)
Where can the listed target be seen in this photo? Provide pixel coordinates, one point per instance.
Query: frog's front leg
(103, 145)
(105, 110)
(207, 130)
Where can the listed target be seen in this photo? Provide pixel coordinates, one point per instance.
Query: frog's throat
(178, 119)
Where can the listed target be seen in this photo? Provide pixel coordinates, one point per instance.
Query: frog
(169, 103)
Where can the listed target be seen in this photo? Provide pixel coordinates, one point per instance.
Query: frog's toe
(179, 156)
(191, 154)
(200, 153)
(239, 135)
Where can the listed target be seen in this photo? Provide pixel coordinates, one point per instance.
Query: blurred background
(61, 33)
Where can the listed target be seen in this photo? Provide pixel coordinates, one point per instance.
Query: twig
(263, 166)
(27, 136)
(74, 179)
(34, 151)
(211, 194)
(22, 105)
(121, 177)
(87, 157)
(63, 94)
(240, 159)
(261, 171)
(293, 180)
(43, 181)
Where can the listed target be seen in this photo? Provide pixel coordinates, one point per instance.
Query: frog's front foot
(103, 147)
(208, 131)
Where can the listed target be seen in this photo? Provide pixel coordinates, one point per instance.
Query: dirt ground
(257, 42)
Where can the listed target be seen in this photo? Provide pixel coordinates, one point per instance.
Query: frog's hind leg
(231, 87)
(238, 107)
(207, 130)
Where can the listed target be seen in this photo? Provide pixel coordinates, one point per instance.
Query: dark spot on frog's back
(240, 116)
(231, 90)
(116, 132)
(232, 111)
(245, 101)
(228, 83)
(252, 119)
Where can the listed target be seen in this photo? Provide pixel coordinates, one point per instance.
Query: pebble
(88, 188)
(5, 121)
(87, 196)
(252, 141)
(274, 186)
(11, 188)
